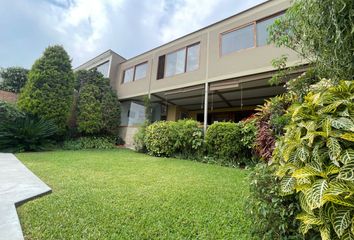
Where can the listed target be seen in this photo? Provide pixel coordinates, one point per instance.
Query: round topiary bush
(160, 138)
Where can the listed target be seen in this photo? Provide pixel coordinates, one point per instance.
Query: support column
(206, 108)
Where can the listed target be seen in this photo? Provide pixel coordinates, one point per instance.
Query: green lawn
(120, 194)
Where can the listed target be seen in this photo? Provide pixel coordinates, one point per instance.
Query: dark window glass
(161, 67)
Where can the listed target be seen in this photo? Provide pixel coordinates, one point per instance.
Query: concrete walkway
(17, 185)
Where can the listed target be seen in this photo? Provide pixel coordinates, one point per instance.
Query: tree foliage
(320, 31)
(49, 91)
(316, 158)
(98, 106)
(13, 79)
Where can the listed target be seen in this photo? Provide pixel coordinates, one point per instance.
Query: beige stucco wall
(127, 134)
(212, 66)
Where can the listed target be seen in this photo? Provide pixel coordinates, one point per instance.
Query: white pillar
(205, 108)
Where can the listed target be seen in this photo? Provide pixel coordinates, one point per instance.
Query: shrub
(90, 143)
(26, 133)
(272, 214)
(223, 141)
(189, 138)
(160, 138)
(14, 78)
(272, 119)
(182, 138)
(48, 92)
(231, 143)
(316, 158)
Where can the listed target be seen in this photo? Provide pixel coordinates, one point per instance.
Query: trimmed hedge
(226, 142)
(160, 138)
(231, 143)
(223, 140)
(167, 138)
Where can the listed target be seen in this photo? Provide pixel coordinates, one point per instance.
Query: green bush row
(225, 142)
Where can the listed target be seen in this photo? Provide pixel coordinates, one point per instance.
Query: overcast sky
(87, 28)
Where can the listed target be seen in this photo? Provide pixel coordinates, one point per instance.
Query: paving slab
(17, 185)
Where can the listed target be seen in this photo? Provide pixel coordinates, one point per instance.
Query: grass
(120, 194)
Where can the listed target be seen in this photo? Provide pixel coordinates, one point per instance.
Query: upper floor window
(180, 61)
(244, 37)
(238, 39)
(103, 68)
(128, 75)
(140, 71)
(193, 57)
(175, 63)
(135, 73)
(262, 30)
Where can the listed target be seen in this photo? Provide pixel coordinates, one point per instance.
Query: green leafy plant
(160, 138)
(223, 141)
(182, 138)
(316, 161)
(320, 31)
(231, 143)
(273, 214)
(26, 133)
(271, 120)
(189, 138)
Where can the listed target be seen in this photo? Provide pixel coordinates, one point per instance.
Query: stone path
(17, 185)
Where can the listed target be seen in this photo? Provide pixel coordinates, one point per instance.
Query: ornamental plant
(316, 161)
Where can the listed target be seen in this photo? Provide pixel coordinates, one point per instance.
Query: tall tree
(98, 109)
(48, 92)
(13, 79)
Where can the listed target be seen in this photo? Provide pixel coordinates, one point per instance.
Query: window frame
(135, 79)
(254, 23)
(265, 19)
(124, 72)
(185, 48)
(134, 71)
